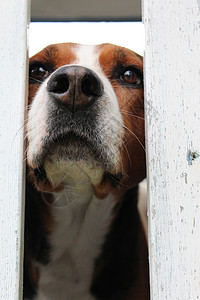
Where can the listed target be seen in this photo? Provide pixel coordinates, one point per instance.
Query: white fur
(36, 127)
(80, 175)
(87, 56)
(81, 225)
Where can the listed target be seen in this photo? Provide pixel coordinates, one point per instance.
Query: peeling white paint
(13, 53)
(172, 92)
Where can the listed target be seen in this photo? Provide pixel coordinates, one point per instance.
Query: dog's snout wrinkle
(75, 87)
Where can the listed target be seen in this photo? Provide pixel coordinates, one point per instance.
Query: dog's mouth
(75, 147)
(71, 156)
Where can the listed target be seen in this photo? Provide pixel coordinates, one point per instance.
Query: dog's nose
(75, 87)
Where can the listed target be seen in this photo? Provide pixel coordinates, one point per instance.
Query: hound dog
(85, 158)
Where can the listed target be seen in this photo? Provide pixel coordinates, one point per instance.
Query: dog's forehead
(109, 53)
(88, 55)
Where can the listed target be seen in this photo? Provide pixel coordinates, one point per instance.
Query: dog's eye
(37, 73)
(130, 77)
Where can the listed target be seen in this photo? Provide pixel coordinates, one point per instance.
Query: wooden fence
(172, 104)
(13, 61)
(172, 91)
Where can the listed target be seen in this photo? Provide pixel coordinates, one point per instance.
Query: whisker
(118, 182)
(81, 169)
(22, 127)
(25, 159)
(37, 80)
(134, 136)
(24, 111)
(129, 158)
(121, 162)
(131, 114)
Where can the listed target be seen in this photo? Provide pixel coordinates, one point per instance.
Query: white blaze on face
(87, 56)
(110, 119)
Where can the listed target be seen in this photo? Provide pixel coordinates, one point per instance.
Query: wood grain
(13, 56)
(172, 92)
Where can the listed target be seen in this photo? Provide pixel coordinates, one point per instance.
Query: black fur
(36, 240)
(40, 174)
(120, 253)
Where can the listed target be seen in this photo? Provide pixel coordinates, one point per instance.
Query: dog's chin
(72, 166)
(73, 151)
(75, 168)
(73, 162)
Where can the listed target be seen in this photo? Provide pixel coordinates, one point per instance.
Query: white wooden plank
(14, 16)
(172, 69)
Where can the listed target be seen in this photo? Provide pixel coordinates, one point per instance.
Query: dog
(85, 158)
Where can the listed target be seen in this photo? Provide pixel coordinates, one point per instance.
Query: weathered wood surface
(172, 90)
(13, 57)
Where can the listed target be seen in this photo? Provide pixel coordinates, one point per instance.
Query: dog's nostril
(91, 86)
(59, 85)
(86, 87)
(74, 87)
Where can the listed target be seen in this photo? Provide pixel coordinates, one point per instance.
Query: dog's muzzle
(74, 87)
(75, 117)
